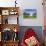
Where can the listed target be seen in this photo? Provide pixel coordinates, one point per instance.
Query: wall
(7, 3)
(37, 4)
(25, 4)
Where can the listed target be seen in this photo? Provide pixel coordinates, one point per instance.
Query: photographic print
(30, 13)
(5, 12)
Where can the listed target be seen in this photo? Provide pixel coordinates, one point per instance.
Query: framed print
(12, 12)
(5, 12)
(29, 13)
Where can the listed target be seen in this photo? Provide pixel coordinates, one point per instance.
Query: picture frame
(5, 12)
(12, 12)
(29, 13)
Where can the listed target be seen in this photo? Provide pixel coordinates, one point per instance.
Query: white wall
(24, 4)
(32, 4)
(7, 3)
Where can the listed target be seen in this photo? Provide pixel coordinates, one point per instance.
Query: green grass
(27, 15)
